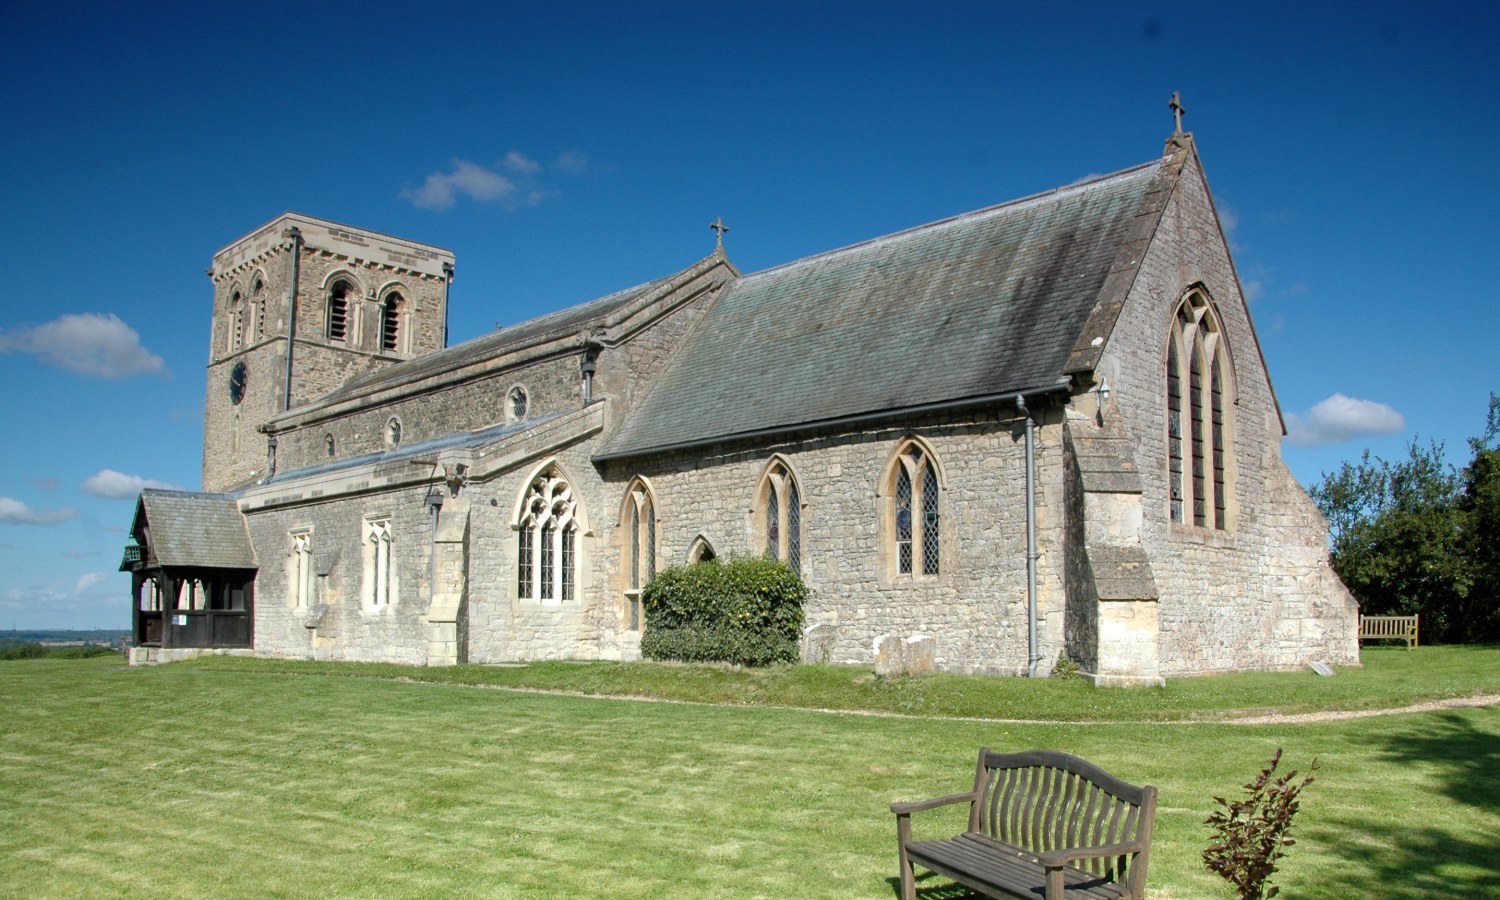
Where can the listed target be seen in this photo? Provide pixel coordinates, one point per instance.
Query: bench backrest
(1047, 800)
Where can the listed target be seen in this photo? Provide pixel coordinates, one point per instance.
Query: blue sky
(567, 150)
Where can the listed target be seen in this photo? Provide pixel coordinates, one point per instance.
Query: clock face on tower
(237, 383)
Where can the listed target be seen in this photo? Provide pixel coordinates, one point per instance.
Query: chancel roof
(184, 528)
(985, 303)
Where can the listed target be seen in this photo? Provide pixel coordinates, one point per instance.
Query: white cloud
(86, 343)
(522, 183)
(521, 164)
(14, 512)
(442, 189)
(87, 581)
(114, 485)
(1339, 419)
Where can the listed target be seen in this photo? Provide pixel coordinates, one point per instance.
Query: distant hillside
(56, 636)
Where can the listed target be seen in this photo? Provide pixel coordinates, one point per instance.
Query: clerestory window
(1198, 448)
(779, 499)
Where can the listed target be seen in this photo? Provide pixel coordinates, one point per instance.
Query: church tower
(301, 306)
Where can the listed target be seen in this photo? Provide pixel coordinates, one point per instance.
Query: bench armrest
(1052, 859)
(906, 809)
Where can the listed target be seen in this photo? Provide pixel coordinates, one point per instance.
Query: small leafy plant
(1250, 835)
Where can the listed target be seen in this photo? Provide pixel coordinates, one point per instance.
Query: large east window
(1198, 439)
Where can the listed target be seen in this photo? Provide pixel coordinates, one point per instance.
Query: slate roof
(985, 303)
(458, 440)
(193, 529)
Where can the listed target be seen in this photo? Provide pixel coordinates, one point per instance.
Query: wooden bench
(1041, 824)
(1396, 628)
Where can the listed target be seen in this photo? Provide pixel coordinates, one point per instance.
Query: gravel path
(1430, 705)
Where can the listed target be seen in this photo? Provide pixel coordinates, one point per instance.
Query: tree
(1418, 536)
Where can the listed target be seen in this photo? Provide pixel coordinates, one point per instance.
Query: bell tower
(301, 306)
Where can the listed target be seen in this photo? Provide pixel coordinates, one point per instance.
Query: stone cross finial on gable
(719, 228)
(1178, 110)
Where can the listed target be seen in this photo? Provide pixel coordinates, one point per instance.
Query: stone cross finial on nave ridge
(1178, 111)
(719, 229)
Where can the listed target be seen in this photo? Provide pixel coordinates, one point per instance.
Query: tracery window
(640, 514)
(913, 511)
(338, 311)
(390, 324)
(547, 540)
(780, 501)
(1197, 377)
(379, 580)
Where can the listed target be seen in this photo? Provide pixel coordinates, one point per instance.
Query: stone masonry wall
(975, 610)
(1258, 594)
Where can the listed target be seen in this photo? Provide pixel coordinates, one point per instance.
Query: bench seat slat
(1000, 869)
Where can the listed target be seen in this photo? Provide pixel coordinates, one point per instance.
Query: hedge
(746, 611)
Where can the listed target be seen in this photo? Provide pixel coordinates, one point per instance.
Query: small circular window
(393, 433)
(517, 402)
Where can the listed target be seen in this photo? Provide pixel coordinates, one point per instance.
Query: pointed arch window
(1197, 377)
(640, 530)
(702, 551)
(914, 511)
(781, 515)
(299, 566)
(338, 311)
(379, 579)
(391, 313)
(547, 540)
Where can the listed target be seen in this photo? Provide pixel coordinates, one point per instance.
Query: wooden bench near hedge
(1395, 628)
(1041, 824)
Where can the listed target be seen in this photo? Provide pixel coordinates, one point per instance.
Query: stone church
(1039, 431)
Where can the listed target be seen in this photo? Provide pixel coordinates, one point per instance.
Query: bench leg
(908, 875)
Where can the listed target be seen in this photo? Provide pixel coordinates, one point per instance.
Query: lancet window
(547, 540)
(639, 524)
(781, 515)
(236, 337)
(379, 579)
(299, 567)
(914, 511)
(1197, 380)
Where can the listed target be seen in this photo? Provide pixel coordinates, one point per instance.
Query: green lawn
(250, 778)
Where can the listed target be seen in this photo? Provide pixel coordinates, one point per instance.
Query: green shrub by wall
(744, 611)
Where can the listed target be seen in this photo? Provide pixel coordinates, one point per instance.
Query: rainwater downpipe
(1031, 554)
(291, 316)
